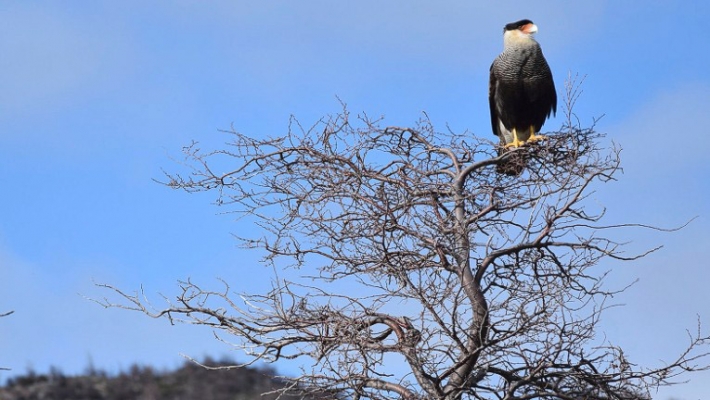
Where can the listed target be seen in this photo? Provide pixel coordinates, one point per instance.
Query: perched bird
(521, 92)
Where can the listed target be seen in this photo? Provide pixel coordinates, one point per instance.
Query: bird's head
(520, 31)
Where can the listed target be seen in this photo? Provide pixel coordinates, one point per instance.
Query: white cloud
(664, 154)
(50, 56)
(54, 325)
(664, 184)
(669, 129)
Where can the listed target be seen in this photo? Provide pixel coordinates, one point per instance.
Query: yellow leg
(515, 142)
(533, 137)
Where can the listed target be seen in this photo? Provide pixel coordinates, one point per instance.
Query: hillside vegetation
(190, 381)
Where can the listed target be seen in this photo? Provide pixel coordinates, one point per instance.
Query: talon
(515, 143)
(535, 138)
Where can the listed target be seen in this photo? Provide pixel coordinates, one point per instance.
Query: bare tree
(415, 271)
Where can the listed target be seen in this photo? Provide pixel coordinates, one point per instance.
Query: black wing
(540, 90)
(492, 89)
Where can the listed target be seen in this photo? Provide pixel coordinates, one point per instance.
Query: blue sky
(97, 97)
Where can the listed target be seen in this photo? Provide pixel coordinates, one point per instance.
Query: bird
(521, 93)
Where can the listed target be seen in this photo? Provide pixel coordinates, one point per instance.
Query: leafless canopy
(424, 274)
